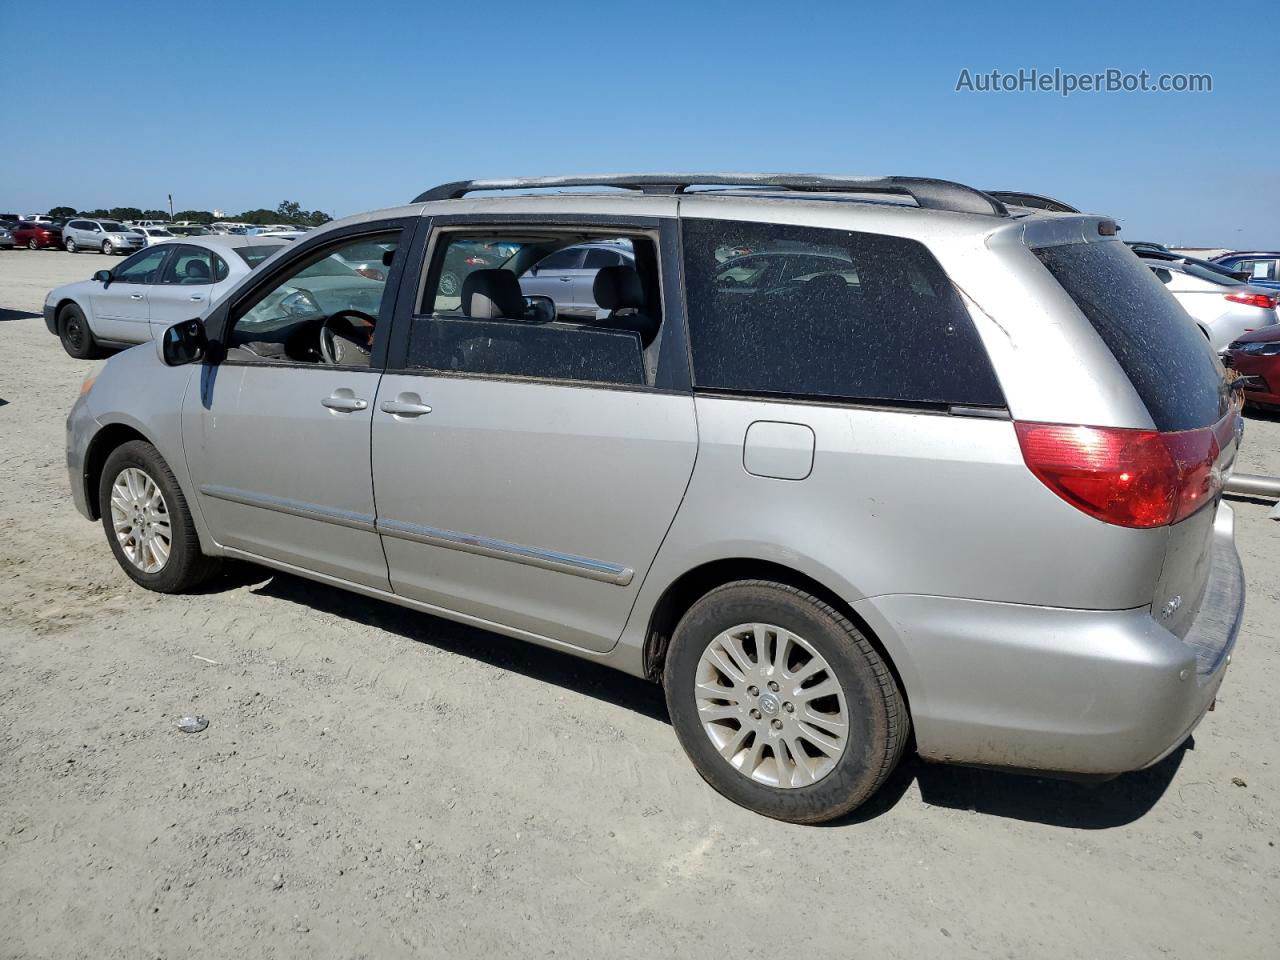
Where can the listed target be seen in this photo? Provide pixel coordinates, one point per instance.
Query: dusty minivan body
(837, 461)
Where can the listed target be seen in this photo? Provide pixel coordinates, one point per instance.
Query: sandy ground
(374, 782)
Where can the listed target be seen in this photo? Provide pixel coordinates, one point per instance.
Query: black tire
(878, 719)
(186, 566)
(77, 339)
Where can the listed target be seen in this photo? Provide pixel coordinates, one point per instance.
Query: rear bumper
(1071, 691)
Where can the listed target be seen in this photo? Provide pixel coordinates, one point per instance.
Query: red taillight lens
(371, 273)
(1253, 300)
(476, 262)
(1132, 478)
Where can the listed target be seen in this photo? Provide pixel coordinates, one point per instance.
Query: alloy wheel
(771, 705)
(140, 519)
(107, 248)
(33, 244)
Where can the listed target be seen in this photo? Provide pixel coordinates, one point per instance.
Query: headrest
(488, 294)
(196, 269)
(617, 288)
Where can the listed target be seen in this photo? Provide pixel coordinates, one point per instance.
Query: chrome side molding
(295, 508)
(503, 550)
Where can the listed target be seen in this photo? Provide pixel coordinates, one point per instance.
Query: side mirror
(184, 343)
(103, 277)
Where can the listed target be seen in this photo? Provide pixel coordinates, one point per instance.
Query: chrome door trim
(295, 508)
(502, 550)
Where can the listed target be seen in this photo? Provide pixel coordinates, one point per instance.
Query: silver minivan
(946, 474)
(101, 236)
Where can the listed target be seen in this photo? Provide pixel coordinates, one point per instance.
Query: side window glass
(597, 258)
(828, 314)
(498, 320)
(323, 310)
(143, 267)
(189, 265)
(220, 269)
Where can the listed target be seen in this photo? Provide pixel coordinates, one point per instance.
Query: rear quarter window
(1159, 347)
(830, 315)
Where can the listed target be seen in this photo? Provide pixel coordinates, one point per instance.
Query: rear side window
(828, 314)
(1164, 354)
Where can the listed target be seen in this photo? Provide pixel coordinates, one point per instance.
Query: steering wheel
(346, 337)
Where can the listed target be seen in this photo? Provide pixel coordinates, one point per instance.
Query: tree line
(287, 212)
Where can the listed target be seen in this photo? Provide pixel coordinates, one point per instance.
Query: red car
(1257, 355)
(38, 236)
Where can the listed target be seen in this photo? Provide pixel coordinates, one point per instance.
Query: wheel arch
(696, 582)
(111, 436)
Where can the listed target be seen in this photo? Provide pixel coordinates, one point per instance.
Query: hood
(1265, 335)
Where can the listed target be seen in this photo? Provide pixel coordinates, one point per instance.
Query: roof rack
(928, 194)
(1036, 201)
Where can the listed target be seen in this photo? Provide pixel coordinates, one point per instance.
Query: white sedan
(155, 288)
(153, 234)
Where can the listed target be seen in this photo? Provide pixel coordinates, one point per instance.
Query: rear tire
(77, 339)
(33, 244)
(148, 523)
(767, 743)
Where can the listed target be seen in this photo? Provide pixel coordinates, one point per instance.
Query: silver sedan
(158, 286)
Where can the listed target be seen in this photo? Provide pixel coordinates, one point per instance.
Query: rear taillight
(1131, 478)
(476, 262)
(371, 273)
(1253, 300)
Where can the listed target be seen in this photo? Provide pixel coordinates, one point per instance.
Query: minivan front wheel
(70, 245)
(782, 704)
(148, 523)
(107, 248)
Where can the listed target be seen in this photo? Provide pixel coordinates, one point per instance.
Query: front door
(121, 308)
(526, 473)
(277, 435)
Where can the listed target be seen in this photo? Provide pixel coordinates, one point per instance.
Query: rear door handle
(135, 296)
(405, 405)
(196, 296)
(565, 279)
(344, 402)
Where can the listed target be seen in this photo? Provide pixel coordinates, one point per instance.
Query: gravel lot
(374, 782)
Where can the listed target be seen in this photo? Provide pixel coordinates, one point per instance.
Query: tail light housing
(1252, 300)
(1130, 478)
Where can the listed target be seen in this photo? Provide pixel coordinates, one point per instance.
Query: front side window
(828, 314)
(189, 265)
(322, 311)
(143, 267)
(485, 313)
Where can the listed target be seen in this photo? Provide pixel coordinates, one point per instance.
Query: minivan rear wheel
(148, 523)
(782, 703)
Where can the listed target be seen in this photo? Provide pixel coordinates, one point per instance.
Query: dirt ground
(376, 783)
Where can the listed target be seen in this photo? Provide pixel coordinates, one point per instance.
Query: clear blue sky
(351, 106)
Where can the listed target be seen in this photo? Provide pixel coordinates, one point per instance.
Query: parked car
(104, 236)
(1257, 356)
(1222, 306)
(149, 223)
(189, 230)
(1008, 548)
(567, 277)
(1147, 246)
(37, 235)
(152, 235)
(6, 235)
(1261, 267)
(1204, 265)
(154, 288)
(38, 218)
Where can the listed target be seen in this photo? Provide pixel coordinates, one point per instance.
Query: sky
(347, 107)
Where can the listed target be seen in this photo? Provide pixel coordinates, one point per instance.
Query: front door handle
(344, 401)
(135, 296)
(565, 279)
(405, 405)
(196, 296)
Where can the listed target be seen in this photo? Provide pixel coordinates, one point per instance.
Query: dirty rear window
(828, 314)
(1163, 352)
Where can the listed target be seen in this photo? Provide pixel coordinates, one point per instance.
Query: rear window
(828, 314)
(255, 255)
(1164, 354)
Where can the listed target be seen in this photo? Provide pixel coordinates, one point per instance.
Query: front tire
(33, 244)
(107, 248)
(70, 245)
(148, 523)
(782, 703)
(77, 339)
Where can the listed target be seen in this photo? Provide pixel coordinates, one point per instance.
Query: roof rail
(927, 193)
(1036, 201)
